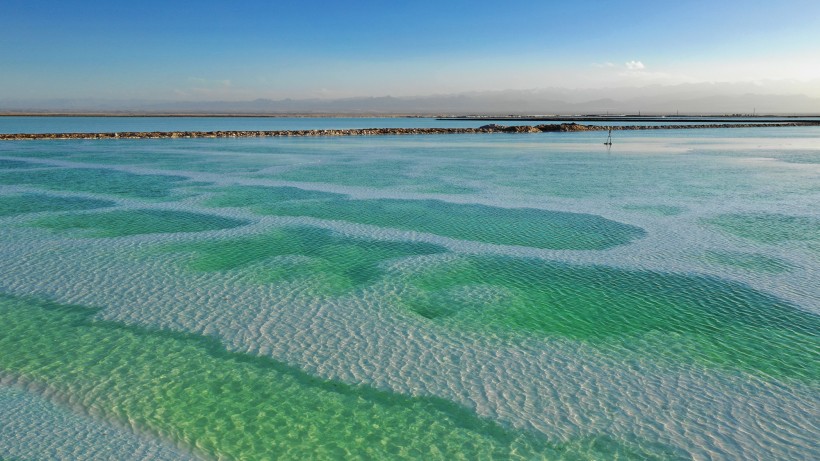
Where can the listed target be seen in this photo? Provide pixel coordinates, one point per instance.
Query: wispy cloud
(635, 65)
(632, 72)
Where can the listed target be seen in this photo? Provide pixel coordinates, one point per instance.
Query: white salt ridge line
(791, 291)
(794, 295)
(671, 245)
(645, 253)
(354, 191)
(551, 203)
(562, 389)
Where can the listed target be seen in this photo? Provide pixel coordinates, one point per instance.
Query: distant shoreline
(751, 119)
(439, 116)
(491, 128)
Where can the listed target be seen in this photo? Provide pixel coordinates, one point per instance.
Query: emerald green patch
(658, 210)
(749, 261)
(99, 181)
(15, 164)
(335, 262)
(134, 222)
(506, 226)
(383, 173)
(769, 228)
(705, 319)
(12, 205)
(190, 390)
(258, 197)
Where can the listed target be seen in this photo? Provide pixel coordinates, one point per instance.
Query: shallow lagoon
(413, 296)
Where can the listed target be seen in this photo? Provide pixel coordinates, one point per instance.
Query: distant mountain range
(683, 99)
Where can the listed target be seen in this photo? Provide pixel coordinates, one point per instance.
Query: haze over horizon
(427, 56)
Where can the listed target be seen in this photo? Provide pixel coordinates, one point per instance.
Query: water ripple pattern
(459, 297)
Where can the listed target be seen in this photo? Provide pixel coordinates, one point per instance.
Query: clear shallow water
(414, 296)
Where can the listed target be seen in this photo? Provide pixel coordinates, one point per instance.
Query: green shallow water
(586, 348)
(713, 322)
(379, 174)
(383, 173)
(190, 389)
(17, 204)
(98, 181)
(659, 210)
(769, 228)
(207, 155)
(258, 198)
(15, 164)
(749, 261)
(334, 262)
(121, 223)
(505, 226)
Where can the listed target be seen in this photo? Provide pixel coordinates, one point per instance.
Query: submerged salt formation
(483, 297)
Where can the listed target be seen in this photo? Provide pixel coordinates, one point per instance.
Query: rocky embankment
(491, 128)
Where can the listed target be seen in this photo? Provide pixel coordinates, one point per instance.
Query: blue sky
(207, 50)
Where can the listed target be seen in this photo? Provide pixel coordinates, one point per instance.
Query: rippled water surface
(531, 296)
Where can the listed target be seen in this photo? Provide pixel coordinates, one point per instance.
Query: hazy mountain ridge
(687, 98)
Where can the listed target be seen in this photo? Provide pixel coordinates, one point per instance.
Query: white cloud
(635, 65)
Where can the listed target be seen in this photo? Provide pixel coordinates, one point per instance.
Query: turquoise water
(406, 297)
(95, 180)
(16, 204)
(134, 222)
(507, 226)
